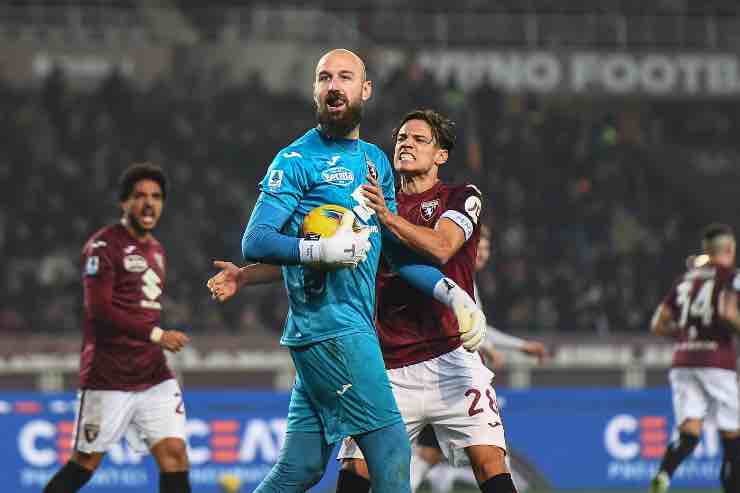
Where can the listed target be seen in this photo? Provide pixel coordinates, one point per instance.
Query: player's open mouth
(147, 218)
(335, 101)
(406, 156)
(336, 106)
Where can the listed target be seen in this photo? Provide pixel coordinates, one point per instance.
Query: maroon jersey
(704, 341)
(123, 280)
(412, 327)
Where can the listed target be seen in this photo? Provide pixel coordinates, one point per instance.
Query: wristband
(444, 291)
(310, 250)
(156, 335)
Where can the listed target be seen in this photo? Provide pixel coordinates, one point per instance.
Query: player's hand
(173, 340)
(536, 349)
(375, 200)
(346, 248)
(224, 284)
(495, 359)
(470, 318)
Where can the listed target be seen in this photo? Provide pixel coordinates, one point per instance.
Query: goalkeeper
(435, 379)
(341, 386)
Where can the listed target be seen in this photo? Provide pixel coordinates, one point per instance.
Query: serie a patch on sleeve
(92, 265)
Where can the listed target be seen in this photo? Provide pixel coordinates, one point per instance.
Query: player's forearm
(501, 340)
(254, 274)
(426, 241)
(100, 304)
(262, 243)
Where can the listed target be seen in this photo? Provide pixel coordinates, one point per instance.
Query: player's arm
(663, 322)
(281, 191)
(98, 281)
(231, 278)
(501, 340)
(727, 309)
(439, 244)
(433, 283)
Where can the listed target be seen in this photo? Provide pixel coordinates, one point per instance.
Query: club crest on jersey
(338, 176)
(91, 432)
(428, 208)
(135, 263)
(371, 169)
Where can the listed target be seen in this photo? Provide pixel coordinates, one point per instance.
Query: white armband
(156, 335)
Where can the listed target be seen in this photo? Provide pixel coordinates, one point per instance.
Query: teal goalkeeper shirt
(314, 171)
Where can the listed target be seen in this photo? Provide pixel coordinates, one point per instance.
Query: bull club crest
(371, 169)
(91, 432)
(428, 208)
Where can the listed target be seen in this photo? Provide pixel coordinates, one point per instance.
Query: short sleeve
(97, 261)
(736, 281)
(286, 181)
(464, 208)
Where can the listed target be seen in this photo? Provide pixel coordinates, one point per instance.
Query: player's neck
(140, 236)
(415, 184)
(353, 134)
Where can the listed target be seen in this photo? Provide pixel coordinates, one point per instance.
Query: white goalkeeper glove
(470, 318)
(344, 249)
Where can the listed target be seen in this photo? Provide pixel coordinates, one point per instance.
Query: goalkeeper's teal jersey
(315, 171)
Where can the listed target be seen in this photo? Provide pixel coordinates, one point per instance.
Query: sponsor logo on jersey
(129, 249)
(275, 179)
(91, 432)
(473, 208)
(338, 176)
(92, 265)
(333, 161)
(371, 169)
(428, 208)
(288, 155)
(135, 263)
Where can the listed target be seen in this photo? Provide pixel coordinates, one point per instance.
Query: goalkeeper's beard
(341, 125)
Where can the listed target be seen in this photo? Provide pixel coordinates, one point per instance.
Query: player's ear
(367, 90)
(441, 157)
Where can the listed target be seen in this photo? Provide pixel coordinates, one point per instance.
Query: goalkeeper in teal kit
(341, 386)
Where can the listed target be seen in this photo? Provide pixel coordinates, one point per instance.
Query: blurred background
(602, 133)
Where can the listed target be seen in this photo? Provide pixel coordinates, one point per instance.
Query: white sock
(442, 477)
(419, 470)
(464, 474)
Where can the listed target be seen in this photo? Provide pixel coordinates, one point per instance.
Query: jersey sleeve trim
(461, 220)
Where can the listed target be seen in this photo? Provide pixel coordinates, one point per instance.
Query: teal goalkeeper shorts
(341, 388)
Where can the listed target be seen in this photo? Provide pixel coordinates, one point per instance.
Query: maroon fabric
(702, 344)
(123, 280)
(412, 327)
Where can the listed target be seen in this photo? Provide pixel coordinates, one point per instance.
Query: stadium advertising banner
(600, 439)
(229, 432)
(559, 438)
(590, 72)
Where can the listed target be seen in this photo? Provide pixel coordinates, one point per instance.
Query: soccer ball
(323, 221)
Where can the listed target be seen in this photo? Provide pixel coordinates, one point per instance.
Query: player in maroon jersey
(434, 380)
(700, 311)
(126, 387)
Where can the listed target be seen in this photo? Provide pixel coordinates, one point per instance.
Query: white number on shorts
(701, 307)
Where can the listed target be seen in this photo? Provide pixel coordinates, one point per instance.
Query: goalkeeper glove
(470, 318)
(343, 249)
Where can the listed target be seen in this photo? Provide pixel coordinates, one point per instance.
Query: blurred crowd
(587, 231)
